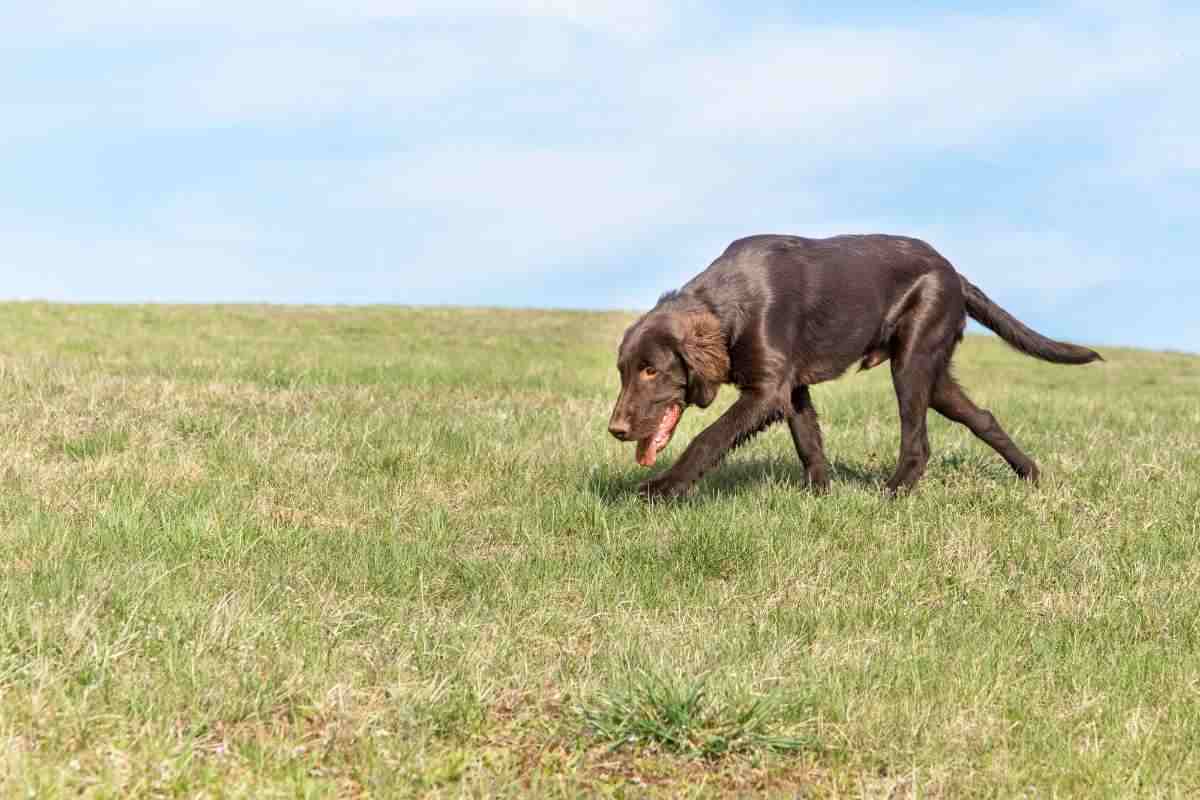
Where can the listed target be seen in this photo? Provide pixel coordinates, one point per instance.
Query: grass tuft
(681, 716)
(94, 445)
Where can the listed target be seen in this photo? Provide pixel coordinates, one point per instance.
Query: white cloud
(1010, 259)
(517, 211)
(849, 90)
(142, 19)
(827, 91)
(1165, 143)
(295, 82)
(151, 265)
(596, 143)
(286, 78)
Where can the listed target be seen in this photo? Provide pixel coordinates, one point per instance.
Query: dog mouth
(649, 448)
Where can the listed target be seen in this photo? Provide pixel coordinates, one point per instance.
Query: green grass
(682, 718)
(308, 552)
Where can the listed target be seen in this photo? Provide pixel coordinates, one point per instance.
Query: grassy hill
(315, 552)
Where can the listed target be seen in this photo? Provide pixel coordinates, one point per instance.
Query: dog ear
(702, 347)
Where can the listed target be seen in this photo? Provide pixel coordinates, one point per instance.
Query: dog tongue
(646, 453)
(648, 448)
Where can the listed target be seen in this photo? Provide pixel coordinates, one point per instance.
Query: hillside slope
(263, 551)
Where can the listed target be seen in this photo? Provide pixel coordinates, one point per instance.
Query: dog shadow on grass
(737, 478)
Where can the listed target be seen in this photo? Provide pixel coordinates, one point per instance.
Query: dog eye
(649, 372)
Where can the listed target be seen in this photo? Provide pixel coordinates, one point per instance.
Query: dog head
(668, 360)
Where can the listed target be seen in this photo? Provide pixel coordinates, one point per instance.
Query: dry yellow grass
(392, 552)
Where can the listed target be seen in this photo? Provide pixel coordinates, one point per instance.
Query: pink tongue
(648, 449)
(646, 453)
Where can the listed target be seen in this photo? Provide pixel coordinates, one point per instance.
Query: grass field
(301, 552)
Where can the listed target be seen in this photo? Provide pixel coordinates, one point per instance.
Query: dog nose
(619, 429)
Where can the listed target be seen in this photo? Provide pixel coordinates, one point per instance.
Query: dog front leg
(752, 412)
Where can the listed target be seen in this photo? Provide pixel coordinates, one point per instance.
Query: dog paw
(818, 480)
(660, 488)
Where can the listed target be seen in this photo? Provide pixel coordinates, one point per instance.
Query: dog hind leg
(921, 348)
(952, 402)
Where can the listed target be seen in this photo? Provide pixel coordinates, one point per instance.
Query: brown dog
(776, 314)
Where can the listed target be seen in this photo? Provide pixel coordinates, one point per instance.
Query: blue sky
(591, 154)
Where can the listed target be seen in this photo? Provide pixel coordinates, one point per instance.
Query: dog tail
(1020, 335)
